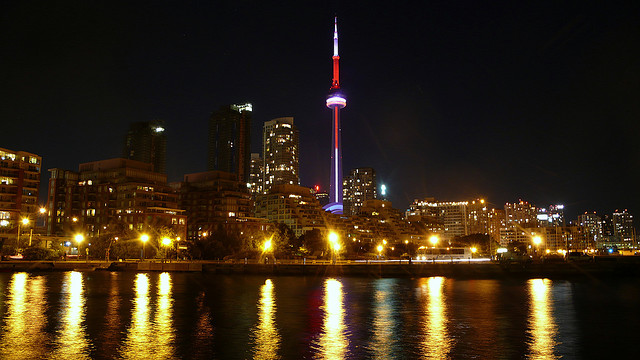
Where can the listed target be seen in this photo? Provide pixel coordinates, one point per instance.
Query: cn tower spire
(335, 84)
(335, 101)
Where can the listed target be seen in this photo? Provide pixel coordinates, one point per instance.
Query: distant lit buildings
(553, 216)
(521, 214)
(213, 200)
(147, 142)
(453, 216)
(623, 226)
(112, 194)
(280, 142)
(592, 225)
(358, 187)
(19, 184)
(292, 205)
(230, 140)
(255, 183)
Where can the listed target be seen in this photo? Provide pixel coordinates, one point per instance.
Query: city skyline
(515, 102)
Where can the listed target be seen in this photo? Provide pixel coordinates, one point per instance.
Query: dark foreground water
(97, 315)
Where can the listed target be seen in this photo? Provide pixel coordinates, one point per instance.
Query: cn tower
(335, 101)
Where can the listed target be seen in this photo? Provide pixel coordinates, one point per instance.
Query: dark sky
(451, 99)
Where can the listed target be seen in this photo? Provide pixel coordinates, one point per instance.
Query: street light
(144, 238)
(537, 240)
(166, 242)
(473, 251)
(266, 247)
(335, 246)
(434, 240)
(23, 222)
(380, 247)
(79, 239)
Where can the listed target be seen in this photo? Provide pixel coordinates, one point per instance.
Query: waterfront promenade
(619, 266)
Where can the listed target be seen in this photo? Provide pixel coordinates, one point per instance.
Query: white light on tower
(383, 190)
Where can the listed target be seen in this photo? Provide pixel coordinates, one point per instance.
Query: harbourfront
(602, 266)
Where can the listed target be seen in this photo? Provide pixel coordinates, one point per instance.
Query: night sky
(451, 99)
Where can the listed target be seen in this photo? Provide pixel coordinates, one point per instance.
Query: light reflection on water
(71, 339)
(23, 334)
(333, 339)
(437, 342)
(148, 339)
(542, 327)
(384, 320)
(104, 315)
(265, 334)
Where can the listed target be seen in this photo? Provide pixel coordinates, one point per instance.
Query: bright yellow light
(380, 248)
(43, 210)
(267, 245)
(79, 238)
(336, 247)
(166, 241)
(178, 238)
(473, 250)
(144, 238)
(75, 219)
(384, 242)
(25, 221)
(548, 251)
(537, 240)
(481, 201)
(434, 240)
(406, 242)
(333, 237)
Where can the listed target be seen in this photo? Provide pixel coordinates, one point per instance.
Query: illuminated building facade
(255, 184)
(521, 214)
(592, 225)
(212, 201)
(19, 184)
(335, 101)
(280, 142)
(451, 215)
(358, 187)
(230, 140)
(109, 194)
(147, 142)
(553, 216)
(292, 205)
(623, 227)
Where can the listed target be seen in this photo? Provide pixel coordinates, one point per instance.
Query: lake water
(125, 315)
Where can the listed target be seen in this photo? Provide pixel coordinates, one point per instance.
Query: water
(103, 315)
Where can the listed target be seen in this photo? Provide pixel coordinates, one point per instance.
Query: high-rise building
(452, 216)
(335, 101)
(255, 184)
(521, 214)
(592, 225)
(230, 140)
(19, 184)
(280, 141)
(359, 186)
(554, 216)
(147, 142)
(623, 226)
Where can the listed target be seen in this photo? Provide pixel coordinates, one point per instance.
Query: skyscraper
(280, 153)
(335, 101)
(255, 177)
(230, 140)
(359, 187)
(146, 141)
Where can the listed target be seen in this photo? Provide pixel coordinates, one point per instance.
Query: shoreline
(612, 267)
